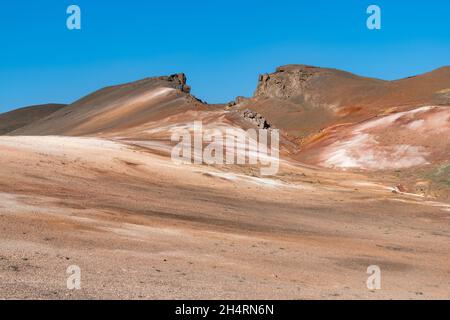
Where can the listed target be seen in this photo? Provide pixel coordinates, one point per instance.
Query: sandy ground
(142, 227)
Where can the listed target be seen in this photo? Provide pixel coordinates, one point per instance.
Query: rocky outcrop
(237, 101)
(256, 119)
(286, 82)
(180, 81)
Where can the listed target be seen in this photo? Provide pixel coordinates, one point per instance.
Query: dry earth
(364, 180)
(140, 226)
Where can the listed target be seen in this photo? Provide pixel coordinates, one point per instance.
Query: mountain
(363, 179)
(343, 121)
(117, 108)
(327, 117)
(303, 100)
(18, 118)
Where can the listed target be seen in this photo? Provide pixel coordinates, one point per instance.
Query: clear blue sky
(222, 46)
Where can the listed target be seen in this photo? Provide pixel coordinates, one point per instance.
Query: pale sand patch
(57, 145)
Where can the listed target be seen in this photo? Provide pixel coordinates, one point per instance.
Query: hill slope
(302, 100)
(117, 108)
(319, 111)
(18, 118)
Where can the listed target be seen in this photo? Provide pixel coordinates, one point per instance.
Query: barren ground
(141, 227)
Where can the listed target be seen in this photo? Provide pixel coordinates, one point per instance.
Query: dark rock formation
(256, 119)
(180, 80)
(286, 82)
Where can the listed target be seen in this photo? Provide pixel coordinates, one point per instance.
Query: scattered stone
(256, 119)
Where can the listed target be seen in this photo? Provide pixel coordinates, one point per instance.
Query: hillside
(18, 118)
(303, 100)
(117, 108)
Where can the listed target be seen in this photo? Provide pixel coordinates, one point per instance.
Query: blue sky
(222, 46)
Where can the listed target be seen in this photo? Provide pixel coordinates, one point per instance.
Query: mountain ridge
(319, 112)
